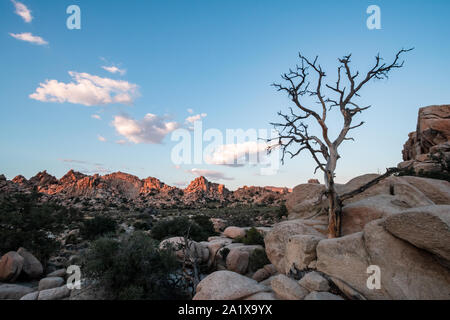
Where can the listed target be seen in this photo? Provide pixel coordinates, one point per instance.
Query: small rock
(261, 275)
(31, 266)
(11, 265)
(50, 283)
(237, 261)
(287, 288)
(313, 281)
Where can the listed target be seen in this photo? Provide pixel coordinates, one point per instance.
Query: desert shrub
(257, 260)
(252, 237)
(24, 222)
(177, 227)
(134, 268)
(97, 227)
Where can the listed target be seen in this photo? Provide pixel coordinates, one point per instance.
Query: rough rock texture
(227, 285)
(277, 239)
(433, 128)
(302, 202)
(237, 260)
(313, 281)
(31, 266)
(300, 251)
(406, 271)
(357, 214)
(427, 228)
(346, 259)
(11, 265)
(31, 296)
(437, 191)
(432, 135)
(50, 283)
(13, 291)
(322, 296)
(286, 288)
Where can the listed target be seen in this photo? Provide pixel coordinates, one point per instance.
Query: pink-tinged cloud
(114, 69)
(151, 129)
(28, 37)
(88, 90)
(22, 11)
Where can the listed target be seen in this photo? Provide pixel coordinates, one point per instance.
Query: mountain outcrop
(119, 187)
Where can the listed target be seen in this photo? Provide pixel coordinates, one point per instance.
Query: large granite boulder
(427, 228)
(407, 272)
(277, 239)
(227, 285)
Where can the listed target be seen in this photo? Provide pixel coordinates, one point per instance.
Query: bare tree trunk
(334, 212)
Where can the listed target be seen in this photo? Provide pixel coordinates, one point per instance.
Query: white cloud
(28, 37)
(114, 69)
(151, 129)
(96, 116)
(87, 89)
(237, 154)
(22, 11)
(101, 138)
(190, 111)
(196, 117)
(212, 174)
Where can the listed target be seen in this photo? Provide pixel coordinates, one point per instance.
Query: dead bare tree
(293, 135)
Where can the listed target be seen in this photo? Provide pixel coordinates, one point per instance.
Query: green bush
(134, 269)
(206, 224)
(180, 226)
(252, 237)
(257, 260)
(97, 227)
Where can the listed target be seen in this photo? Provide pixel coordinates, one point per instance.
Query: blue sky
(217, 58)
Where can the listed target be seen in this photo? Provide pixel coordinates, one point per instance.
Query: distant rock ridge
(120, 185)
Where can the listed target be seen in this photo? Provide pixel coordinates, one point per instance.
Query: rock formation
(431, 138)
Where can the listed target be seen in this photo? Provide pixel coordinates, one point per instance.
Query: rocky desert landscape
(255, 243)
